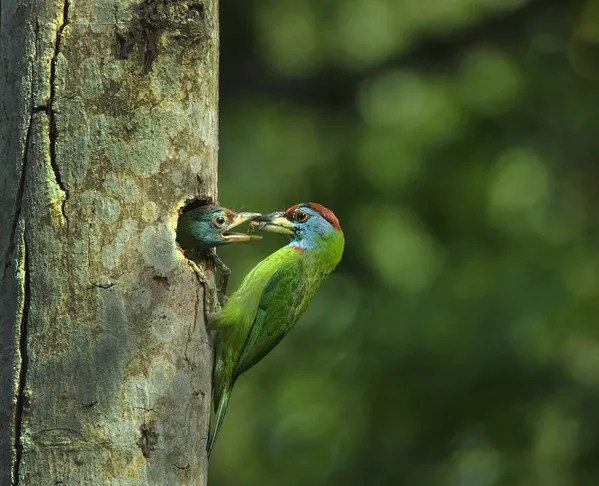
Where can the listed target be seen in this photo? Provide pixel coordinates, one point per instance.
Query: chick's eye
(301, 217)
(219, 221)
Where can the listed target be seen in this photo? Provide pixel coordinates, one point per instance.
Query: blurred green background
(457, 343)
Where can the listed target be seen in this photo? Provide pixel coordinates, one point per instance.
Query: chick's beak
(238, 219)
(275, 223)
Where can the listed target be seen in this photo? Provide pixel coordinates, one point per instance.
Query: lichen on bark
(109, 128)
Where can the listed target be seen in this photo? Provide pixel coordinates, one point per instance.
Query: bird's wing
(279, 309)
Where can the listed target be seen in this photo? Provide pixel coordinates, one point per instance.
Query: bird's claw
(198, 272)
(201, 277)
(222, 295)
(225, 272)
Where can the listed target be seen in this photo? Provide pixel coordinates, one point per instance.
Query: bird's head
(306, 224)
(209, 226)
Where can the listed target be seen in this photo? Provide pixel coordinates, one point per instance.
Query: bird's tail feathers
(219, 416)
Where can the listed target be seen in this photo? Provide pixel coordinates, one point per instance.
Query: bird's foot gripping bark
(225, 272)
(201, 276)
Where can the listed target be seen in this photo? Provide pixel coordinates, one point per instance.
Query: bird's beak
(239, 237)
(275, 223)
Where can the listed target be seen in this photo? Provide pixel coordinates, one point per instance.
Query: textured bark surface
(108, 125)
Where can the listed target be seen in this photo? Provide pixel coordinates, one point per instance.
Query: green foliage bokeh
(457, 343)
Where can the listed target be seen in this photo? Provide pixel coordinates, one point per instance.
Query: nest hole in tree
(191, 204)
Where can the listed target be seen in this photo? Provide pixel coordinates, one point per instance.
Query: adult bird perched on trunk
(209, 226)
(273, 296)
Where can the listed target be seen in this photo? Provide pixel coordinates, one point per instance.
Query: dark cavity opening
(194, 204)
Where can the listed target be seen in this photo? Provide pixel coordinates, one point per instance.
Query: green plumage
(269, 302)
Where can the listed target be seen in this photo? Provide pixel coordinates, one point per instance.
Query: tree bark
(108, 126)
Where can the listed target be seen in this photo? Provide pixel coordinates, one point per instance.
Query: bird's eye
(219, 221)
(300, 216)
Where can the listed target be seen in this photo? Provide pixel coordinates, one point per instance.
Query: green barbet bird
(209, 226)
(273, 296)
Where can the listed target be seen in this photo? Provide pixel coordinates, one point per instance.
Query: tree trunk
(108, 125)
